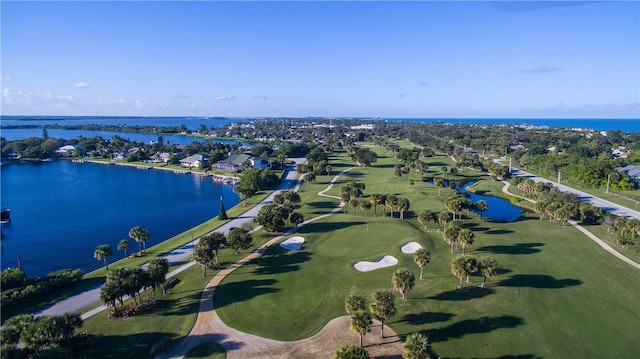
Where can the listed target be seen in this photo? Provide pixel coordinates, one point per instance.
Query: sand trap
(386, 261)
(410, 247)
(293, 243)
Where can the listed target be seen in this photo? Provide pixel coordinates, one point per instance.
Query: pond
(498, 209)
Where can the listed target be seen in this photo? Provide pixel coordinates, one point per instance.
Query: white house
(65, 150)
(194, 161)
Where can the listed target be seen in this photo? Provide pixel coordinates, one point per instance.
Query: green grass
(134, 337)
(557, 294)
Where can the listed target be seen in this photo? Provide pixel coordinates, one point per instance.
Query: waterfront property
(194, 161)
(235, 163)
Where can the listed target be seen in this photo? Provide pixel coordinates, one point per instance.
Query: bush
(36, 288)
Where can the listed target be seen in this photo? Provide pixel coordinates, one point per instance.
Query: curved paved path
(210, 328)
(586, 232)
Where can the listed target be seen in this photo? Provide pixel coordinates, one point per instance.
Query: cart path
(585, 231)
(210, 328)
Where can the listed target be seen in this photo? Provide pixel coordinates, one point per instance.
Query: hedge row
(42, 286)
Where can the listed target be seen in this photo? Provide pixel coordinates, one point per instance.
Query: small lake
(499, 209)
(61, 210)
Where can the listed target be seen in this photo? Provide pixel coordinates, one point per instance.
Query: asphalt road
(608, 206)
(178, 255)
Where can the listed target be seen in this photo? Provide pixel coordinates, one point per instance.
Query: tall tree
(383, 306)
(422, 257)
(157, 273)
(351, 352)
(461, 266)
(222, 212)
(123, 245)
(481, 206)
(203, 253)
(402, 205)
(103, 252)
(403, 280)
(423, 218)
(354, 303)
(239, 239)
(488, 267)
(361, 323)
(141, 236)
(375, 199)
(416, 346)
(465, 237)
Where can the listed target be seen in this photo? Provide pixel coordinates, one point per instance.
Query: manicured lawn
(557, 294)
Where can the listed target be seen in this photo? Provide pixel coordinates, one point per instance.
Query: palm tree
(481, 206)
(465, 238)
(487, 267)
(365, 206)
(439, 183)
(361, 323)
(354, 303)
(375, 199)
(70, 322)
(449, 235)
(423, 218)
(459, 268)
(422, 257)
(403, 280)
(140, 235)
(123, 245)
(391, 202)
(353, 203)
(157, 272)
(443, 218)
(402, 205)
(103, 252)
(383, 306)
(416, 346)
(350, 352)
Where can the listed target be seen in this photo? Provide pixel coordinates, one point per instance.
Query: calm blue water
(22, 133)
(192, 123)
(61, 210)
(498, 209)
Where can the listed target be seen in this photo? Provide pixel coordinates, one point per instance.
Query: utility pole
(608, 180)
(510, 164)
(558, 178)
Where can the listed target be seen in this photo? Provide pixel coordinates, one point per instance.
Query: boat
(5, 215)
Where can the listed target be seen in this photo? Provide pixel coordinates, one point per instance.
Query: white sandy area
(386, 261)
(293, 243)
(410, 247)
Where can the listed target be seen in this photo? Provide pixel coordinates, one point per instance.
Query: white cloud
(81, 85)
(226, 98)
(5, 78)
(18, 97)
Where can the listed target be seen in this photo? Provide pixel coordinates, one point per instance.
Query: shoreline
(214, 176)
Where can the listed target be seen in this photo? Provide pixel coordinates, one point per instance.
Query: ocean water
(62, 210)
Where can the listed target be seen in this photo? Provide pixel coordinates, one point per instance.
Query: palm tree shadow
(464, 294)
(473, 326)
(425, 318)
(538, 281)
(518, 248)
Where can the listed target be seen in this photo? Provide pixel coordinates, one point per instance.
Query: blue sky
(388, 59)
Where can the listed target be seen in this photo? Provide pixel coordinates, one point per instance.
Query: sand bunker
(293, 243)
(386, 261)
(410, 247)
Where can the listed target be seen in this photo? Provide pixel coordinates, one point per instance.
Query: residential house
(65, 150)
(632, 170)
(235, 163)
(194, 161)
